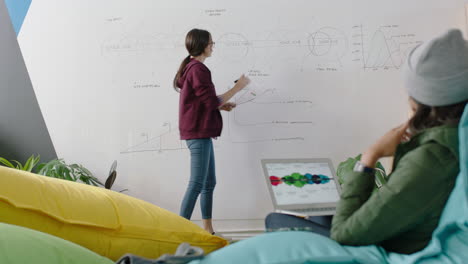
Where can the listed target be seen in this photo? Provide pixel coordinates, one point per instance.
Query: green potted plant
(28, 165)
(56, 168)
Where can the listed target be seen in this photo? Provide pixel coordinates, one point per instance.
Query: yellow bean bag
(106, 222)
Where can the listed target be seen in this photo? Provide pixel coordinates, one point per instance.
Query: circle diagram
(329, 42)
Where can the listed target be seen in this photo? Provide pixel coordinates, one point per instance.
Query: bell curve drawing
(386, 48)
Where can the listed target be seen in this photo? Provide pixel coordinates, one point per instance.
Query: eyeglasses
(211, 43)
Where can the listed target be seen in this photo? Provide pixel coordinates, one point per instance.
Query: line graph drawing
(241, 120)
(257, 102)
(165, 140)
(252, 92)
(257, 115)
(386, 48)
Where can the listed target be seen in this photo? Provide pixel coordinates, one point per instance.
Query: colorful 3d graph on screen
(299, 180)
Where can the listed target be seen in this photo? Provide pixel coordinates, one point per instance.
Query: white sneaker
(221, 236)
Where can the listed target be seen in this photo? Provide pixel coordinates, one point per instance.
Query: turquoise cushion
(292, 248)
(449, 242)
(19, 245)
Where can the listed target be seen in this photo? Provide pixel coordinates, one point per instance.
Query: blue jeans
(319, 224)
(202, 178)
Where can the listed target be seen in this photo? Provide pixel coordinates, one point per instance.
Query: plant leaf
(6, 163)
(68, 175)
(28, 163)
(31, 163)
(58, 168)
(86, 171)
(39, 168)
(19, 166)
(34, 162)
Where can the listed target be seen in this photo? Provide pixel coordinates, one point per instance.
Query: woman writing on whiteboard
(402, 213)
(200, 120)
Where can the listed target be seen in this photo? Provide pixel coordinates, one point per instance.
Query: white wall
(22, 128)
(325, 83)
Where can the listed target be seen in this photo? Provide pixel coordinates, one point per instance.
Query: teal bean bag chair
(449, 242)
(20, 245)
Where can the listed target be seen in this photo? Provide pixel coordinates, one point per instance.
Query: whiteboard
(325, 84)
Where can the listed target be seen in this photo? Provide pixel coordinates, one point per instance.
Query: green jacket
(401, 215)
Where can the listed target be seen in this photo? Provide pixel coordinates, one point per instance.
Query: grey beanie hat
(436, 72)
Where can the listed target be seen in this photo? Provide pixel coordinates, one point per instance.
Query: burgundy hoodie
(199, 116)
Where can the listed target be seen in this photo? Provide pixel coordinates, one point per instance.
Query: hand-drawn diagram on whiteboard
(280, 63)
(318, 50)
(269, 109)
(385, 48)
(257, 104)
(131, 44)
(165, 139)
(265, 105)
(328, 45)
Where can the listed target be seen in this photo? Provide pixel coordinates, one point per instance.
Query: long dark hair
(431, 116)
(196, 42)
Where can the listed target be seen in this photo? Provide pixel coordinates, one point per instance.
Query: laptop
(302, 187)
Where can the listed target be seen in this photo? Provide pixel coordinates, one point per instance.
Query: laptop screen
(295, 183)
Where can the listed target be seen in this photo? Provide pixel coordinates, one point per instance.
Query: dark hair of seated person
(431, 116)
